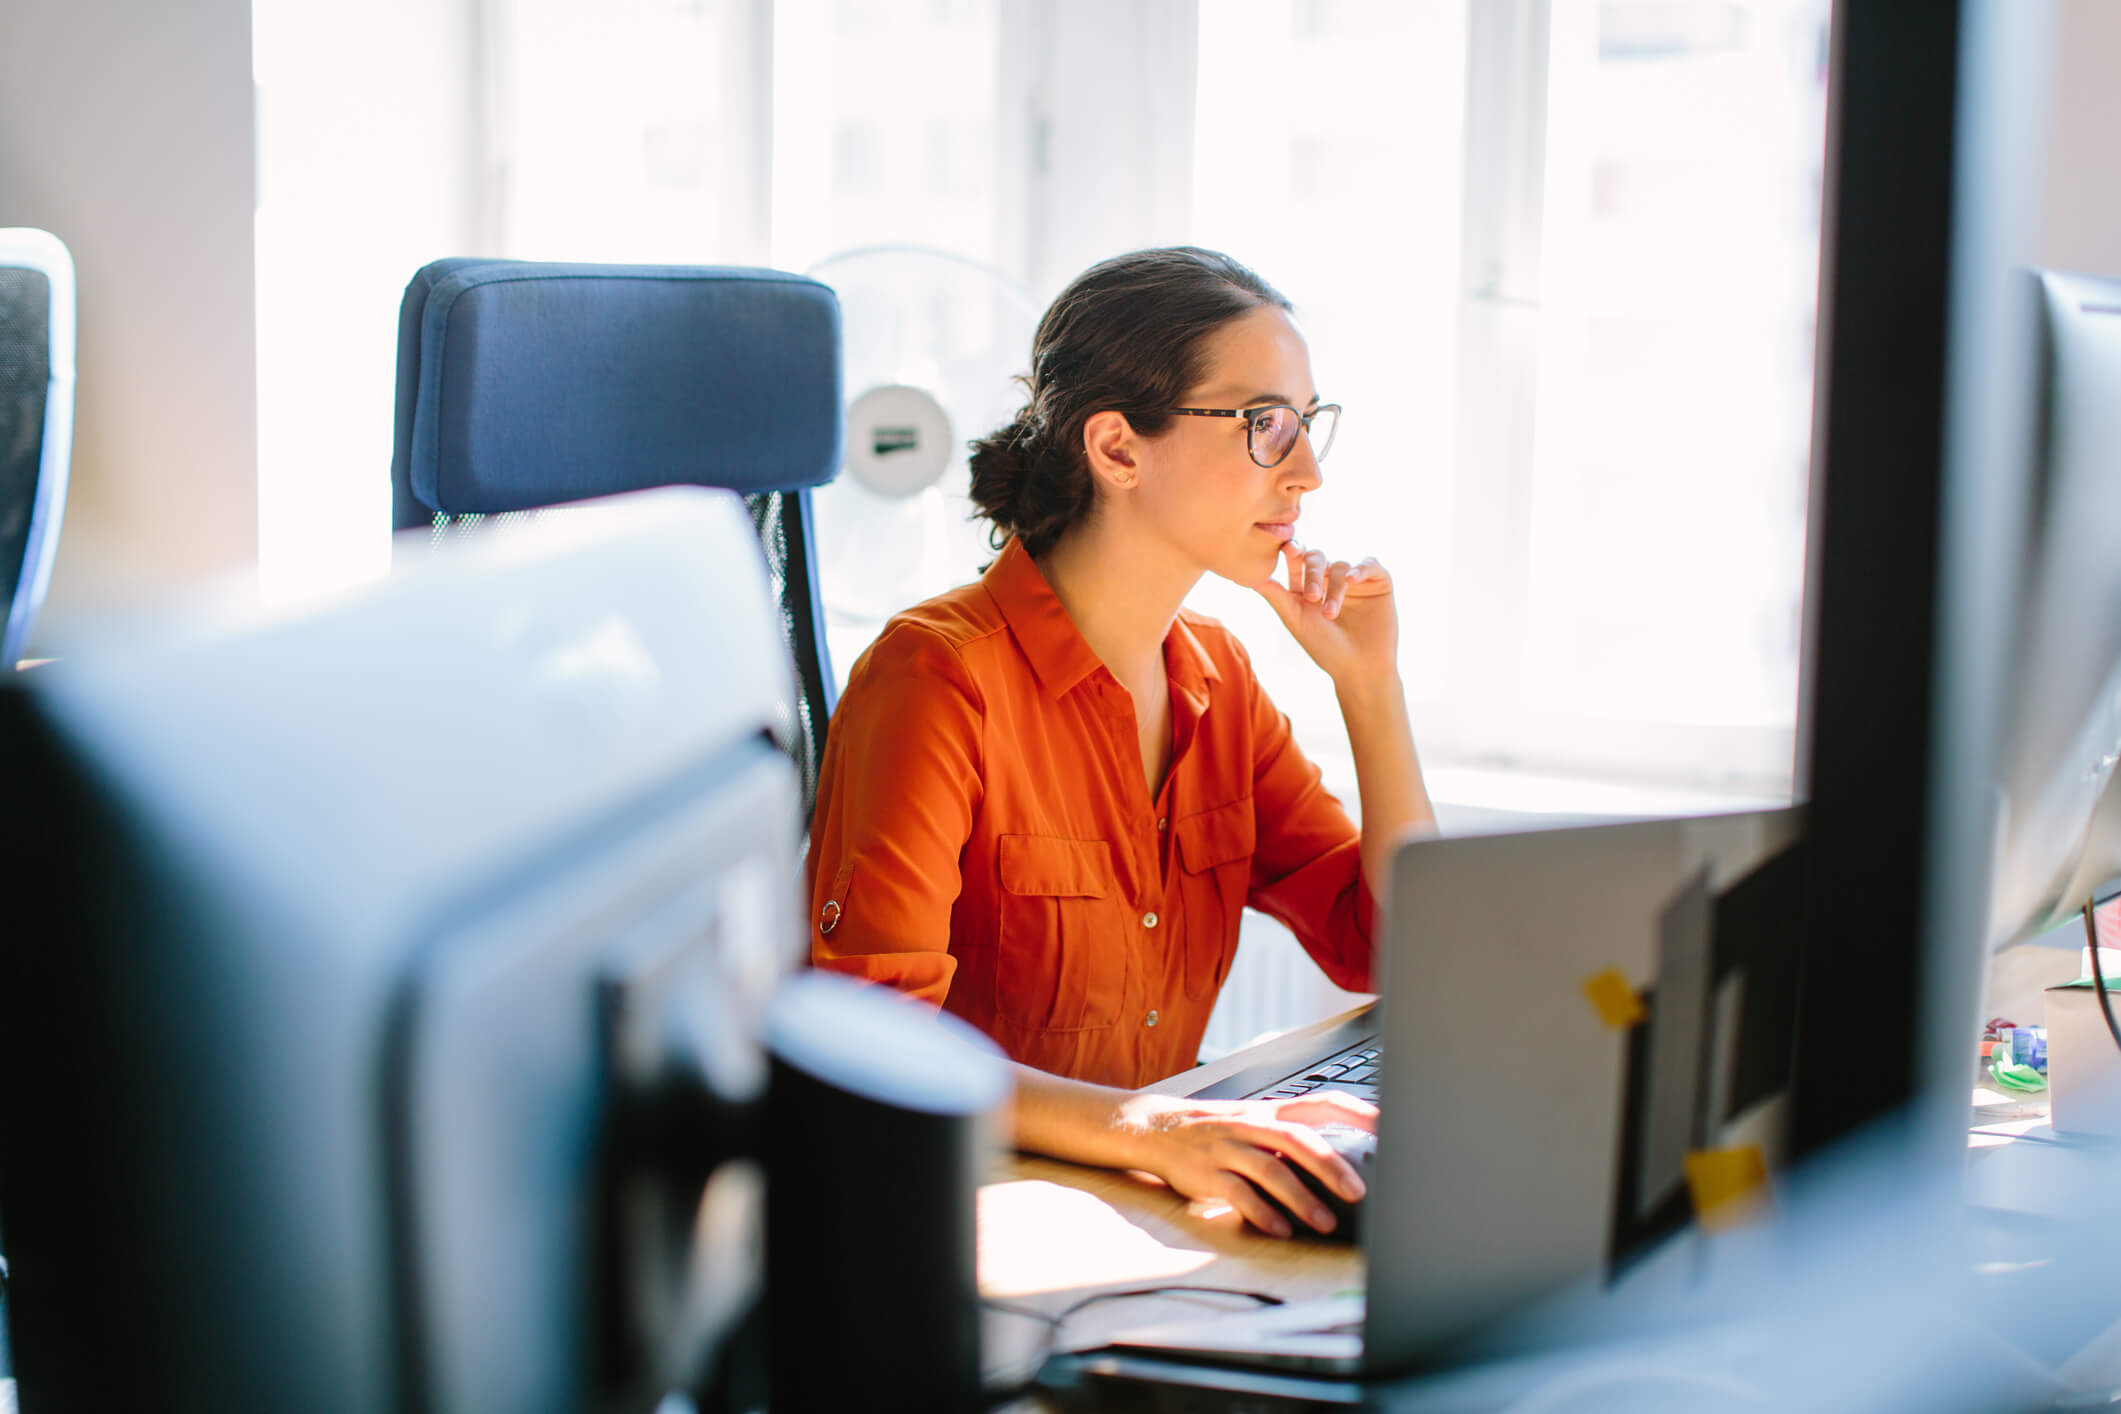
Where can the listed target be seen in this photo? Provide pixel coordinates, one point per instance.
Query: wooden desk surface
(1052, 1233)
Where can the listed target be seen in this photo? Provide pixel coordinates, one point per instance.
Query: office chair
(524, 385)
(36, 422)
(36, 440)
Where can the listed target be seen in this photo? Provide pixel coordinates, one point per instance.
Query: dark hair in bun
(1128, 336)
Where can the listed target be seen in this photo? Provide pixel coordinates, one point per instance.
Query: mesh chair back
(783, 521)
(36, 422)
(524, 385)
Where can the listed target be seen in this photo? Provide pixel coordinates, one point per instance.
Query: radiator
(1273, 986)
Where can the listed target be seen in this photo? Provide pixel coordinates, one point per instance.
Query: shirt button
(1149, 1020)
(1161, 823)
(1148, 920)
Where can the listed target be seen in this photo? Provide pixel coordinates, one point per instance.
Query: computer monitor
(380, 1001)
(1921, 489)
(2058, 806)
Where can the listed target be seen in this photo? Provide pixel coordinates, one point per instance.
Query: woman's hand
(1218, 1150)
(1342, 614)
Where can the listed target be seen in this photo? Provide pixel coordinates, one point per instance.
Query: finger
(1277, 1179)
(1286, 605)
(1336, 587)
(1210, 1209)
(1329, 1107)
(1315, 563)
(1255, 1209)
(1368, 578)
(1302, 1144)
(1292, 554)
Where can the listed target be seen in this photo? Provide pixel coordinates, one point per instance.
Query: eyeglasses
(1270, 431)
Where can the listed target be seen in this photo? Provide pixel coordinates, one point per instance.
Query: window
(1557, 257)
(610, 134)
(1666, 485)
(1342, 191)
(366, 171)
(884, 128)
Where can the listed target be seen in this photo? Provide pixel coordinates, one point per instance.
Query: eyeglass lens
(1273, 433)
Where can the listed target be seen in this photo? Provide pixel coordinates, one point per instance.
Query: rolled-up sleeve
(898, 792)
(1307, 868)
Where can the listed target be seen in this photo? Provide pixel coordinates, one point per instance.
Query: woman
(1047, 796)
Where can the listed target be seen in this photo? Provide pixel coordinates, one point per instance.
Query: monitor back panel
(1561, 1031)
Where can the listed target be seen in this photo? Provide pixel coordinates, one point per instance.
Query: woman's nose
(1300, 471)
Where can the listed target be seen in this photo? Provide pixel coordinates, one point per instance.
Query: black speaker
(881, 1115)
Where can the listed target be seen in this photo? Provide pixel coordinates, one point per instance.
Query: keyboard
(1353, 1070)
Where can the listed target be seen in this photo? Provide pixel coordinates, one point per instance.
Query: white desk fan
(931, 343)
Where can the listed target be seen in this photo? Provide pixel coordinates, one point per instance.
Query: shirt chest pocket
(1215, 849)
(1061, 958)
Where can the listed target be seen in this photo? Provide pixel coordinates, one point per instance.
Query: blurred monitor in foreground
(389, 1017)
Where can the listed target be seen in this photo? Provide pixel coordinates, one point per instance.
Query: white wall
(126, 130)
(2080, 217)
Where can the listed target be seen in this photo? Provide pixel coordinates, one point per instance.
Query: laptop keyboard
(1353, 1070)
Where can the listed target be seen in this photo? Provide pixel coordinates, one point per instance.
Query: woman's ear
(1112, 449)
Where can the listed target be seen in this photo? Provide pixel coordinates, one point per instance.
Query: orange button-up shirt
(985, 838)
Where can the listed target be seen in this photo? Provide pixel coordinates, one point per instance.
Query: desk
(1055, 1232)
(1051, 1233)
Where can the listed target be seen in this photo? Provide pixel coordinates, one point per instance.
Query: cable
(2091, 935)
(1054, 1320)
(2028, 1138)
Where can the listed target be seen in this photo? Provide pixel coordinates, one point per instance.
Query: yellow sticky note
(1729, 1186)
(1615, 1000)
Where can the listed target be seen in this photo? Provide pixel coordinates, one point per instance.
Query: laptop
(1565, 1017)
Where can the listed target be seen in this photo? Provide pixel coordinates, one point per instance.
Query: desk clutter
(2015, 1056)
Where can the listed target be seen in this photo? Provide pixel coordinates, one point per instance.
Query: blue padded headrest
(524, 384)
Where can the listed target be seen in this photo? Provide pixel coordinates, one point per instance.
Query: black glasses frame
(1250, 416)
